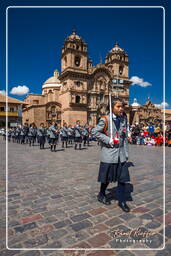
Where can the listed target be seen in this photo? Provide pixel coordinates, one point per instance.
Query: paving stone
(41, 230)
(62, 224)
(97, 229)
(97, 211)
(140, 210)
(153, 225)
(156, 212)
(57, 234)
(135, 222)
(99, 240)
(81, 225)
(127, 216)
(31, 218)
(80, 217)
(98, 219)
(167, 219)
(113, 222)
(25, 227)
(38, 241)
(13, 223)
(146, 216)
(168, 231)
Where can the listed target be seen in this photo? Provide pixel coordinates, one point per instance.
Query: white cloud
(19, 90)
(162, 105)
(139, 81)
(3, 92)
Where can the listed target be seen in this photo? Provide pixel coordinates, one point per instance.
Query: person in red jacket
(159, 140)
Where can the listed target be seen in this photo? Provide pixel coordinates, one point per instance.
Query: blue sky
(37, 35)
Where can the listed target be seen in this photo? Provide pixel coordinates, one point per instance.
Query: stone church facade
(81, 91)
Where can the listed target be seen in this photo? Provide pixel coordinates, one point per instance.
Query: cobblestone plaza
(53, 202)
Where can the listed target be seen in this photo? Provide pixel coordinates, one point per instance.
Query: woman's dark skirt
(42, 139)
(53, 141)
(78, 139)
(64, 138)
(111, 172)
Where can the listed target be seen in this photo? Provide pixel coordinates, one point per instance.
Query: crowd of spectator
(150, 134)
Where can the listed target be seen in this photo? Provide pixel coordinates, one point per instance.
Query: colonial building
(13, 111)
(81, 91)
(145, 113)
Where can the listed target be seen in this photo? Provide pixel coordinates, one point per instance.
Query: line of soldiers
(26, 134)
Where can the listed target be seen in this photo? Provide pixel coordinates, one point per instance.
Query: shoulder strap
(106, 124)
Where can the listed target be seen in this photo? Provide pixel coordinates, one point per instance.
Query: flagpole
(110, 111)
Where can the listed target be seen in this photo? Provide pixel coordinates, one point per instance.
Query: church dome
(135, 103)
(116, 48)
(53, 81)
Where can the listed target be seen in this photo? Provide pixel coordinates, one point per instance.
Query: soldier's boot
(79, 146)
(54, 148)
(62, 144)
(51, 148)
(75, 146)
(66, 144)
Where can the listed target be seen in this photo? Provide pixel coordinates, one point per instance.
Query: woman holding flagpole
(112, 131)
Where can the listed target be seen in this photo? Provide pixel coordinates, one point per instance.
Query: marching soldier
(64, 135)
(53, 135)
(41, 132)
(77, 135)
(114, 153)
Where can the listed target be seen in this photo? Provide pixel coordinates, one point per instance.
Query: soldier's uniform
(113, 165)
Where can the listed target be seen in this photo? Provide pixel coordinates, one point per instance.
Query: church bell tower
(74, 77)
(74, 54)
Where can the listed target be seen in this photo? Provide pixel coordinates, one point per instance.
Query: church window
(78, 83)
(120, 70)
(77, 47)
(65, 59)
(77, 61)
(78, 99)
(36, 102)
(53, 109)
(101, 97)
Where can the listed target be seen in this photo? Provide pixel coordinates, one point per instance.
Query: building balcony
(14, 114)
